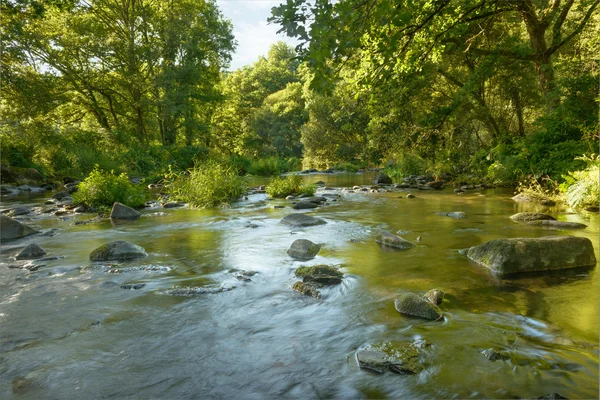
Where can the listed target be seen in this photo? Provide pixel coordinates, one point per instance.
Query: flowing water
(69, 331)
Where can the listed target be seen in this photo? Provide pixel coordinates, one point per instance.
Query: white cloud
(252, 32)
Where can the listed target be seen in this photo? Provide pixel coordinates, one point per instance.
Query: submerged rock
(399, 358)
(494, 355)
(434, 296)
(195, 291)
(11, 229)
(531, 216)
(557, 224)
(518, 255)
(121, 211)
(303, 249)
(453, 214)
(305, 205)
(119, 250)
(300, 220)
(391, 240)
(132, 286)
(31, 252)
(306, 289)
(416, 306)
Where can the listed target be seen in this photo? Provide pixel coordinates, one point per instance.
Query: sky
(252, 32)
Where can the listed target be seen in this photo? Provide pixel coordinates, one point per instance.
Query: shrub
(406, 164)
(581, 187)
(101, 189)
(208, 184)
(281, 187)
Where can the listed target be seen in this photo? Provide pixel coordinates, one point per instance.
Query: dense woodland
(505, 91)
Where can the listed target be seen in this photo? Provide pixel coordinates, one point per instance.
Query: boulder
(557, 224)
(399, 358)
(60, 195)
(305, 205)
(416, 306)
(316, 199)
(391, 240)
(300, 220)
(11, 229)
(121, 211)
(410, 196)
(382, 178)
(119, 250)
(434, 296)
(532, 216)
(31, 252)
(303, 249)
(435, 184)
(19, 211)
(320, 275)
(518, 255)
(453, 214)
(306, 289)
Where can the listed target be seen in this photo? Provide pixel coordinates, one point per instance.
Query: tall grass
(208, 184)
(281, 187)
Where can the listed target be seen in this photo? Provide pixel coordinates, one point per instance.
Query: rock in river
(299, 220)
(119, 250)
(121, 211)
(416, 306)
(320, 274)
(306, 289)
(303, 249)
(391, 240)
(31, 252)
(434, 296)
(453, 214)
(518, 255)
(557, 224)
(304, 205)
(400, 358)
(382, 178)
(11, 229)
(531, 216)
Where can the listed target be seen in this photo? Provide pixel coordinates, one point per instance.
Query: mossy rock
(557, 224)
(306, 289)
(399, 358)
(320, 275)
(388, 239)
(119, 250)
(303, 249)
(531, 216)
(434, 296)
(413, 305)
(301, 220)
(521, 255)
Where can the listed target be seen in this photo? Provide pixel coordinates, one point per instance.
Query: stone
(459, 191)
(24, 188)
(316, 199)
(60, 195)
(523, 198)
(290, 197)
(11, 229)
(306, 289)
(119, 250)
(195, 291)
(532, 216)
(416, 306)
(494, 355)
(303, 249)
(410, 196)
(19, 211)
(31, 252)
(453, 214)
(391, 240)
(382, 178)
(434, 296)
(557, 224)
(305, 205)
(320, 274)
(132, 286)
(519, 255)
(173, 204)
(121, 211)
(301, 220)
(399, 358)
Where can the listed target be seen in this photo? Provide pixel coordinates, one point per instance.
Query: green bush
(281, 187)
(101, 189)
(581, 187)
(406, 164)
(208, 184)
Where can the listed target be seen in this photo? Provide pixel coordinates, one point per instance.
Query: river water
(69, 331)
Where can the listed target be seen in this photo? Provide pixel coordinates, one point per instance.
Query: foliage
(405, 164)
(539, 189)
(581, 187)
(208, 184)
(102, 189)
(281, 187)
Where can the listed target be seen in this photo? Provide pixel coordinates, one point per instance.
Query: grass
(282, 187)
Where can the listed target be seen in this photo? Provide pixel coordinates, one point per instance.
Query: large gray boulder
(31, 252)
(557, 224)
(121, 211)
(391, 240)
(119, 250)
(303, 249)
(383, 178)
(300, 220)
(531, 216)
(305, 205)
(11, 229)
(518, 255)
(416, 306)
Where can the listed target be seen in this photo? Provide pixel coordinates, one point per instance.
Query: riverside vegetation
(417, 90)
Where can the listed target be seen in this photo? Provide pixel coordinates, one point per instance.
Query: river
(69, 331)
